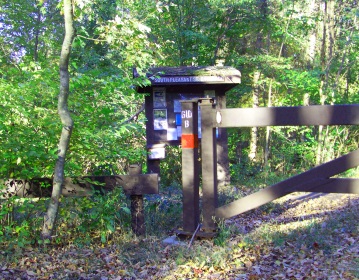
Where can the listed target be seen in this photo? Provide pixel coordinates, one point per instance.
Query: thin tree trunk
(346, 51)
(262, 6)
(268, 128)
(254, 132)
(67, 122)
(322, 82)
(327, 50)
(320, 138)
(310, 48)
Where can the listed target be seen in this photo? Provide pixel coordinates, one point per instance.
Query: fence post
(209, 165)
(190, 165)
(137, 210)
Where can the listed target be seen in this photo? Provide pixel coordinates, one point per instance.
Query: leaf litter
(295, 237)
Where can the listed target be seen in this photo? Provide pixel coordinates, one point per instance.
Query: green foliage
(172, 167)
(112, 37)
(27, 27)
(101, 106)
(102, 97)
(82, 221)
(19, 221)
(99, 217)
(28, 127)
(225, 232)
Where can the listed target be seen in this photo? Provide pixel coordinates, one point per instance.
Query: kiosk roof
(193, 75)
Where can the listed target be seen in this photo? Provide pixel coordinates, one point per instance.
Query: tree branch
(135, 116)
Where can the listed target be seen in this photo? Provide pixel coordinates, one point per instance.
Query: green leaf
(103, 237)
(126, 210)
(110, 228)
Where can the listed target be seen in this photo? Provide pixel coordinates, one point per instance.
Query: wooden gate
(317, 179)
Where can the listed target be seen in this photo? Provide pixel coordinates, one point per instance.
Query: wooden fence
(317, 179)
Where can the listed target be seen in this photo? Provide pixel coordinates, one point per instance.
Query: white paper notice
(171, 134)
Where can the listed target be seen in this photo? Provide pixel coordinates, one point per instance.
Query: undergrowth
(83, 221)
(103, 222)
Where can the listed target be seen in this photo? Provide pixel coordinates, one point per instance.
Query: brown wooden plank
(260, 198)
(81, 186)
(190, 166)
(139, 184)
(25, 188)
(209, 168)
(303, 182)
(338, 185)
(282, 116)
(137, 205)
(131, 184)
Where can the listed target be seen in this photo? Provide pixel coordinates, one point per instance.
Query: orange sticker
(189, 141)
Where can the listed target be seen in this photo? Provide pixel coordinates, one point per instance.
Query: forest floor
(300, 236)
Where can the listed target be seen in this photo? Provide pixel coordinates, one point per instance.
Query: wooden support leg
(190, 166)
(137, 210)
(209, 167)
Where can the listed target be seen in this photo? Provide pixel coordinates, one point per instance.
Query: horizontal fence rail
(287, 116)
(81, 186)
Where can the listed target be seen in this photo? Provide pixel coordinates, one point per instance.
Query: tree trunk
(254, 132)
(311, 11)
(52, 210)
(327, 49)
(263, 10)
(322, 82)
(268, 128)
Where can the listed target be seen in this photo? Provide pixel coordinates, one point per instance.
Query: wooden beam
(81, 186)
(209, 168)
(138, 184)
(338, 185)
(306, 181)
(283, 116)
(190, 165)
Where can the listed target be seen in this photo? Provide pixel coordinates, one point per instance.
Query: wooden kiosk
(171, 85)
(170, 113)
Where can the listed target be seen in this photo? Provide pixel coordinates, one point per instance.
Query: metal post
(209, 165)
(190, 166)
(137, 211)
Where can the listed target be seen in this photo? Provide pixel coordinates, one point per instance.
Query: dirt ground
(300, 236)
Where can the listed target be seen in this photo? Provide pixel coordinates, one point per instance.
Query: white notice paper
(171, 134)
